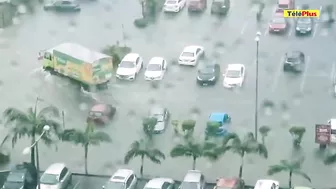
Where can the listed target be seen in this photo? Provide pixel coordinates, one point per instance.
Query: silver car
(57, 176)
(160, 183)
(193, 180)
(162, 116)
(122, 179)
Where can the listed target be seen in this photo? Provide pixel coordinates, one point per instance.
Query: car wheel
(285, 68)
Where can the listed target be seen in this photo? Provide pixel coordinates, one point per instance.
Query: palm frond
(180, 150)
(155, 156)
(132, 152)
(229, 137)
(304, 175)
(13, 114)
(49, 110)
(99, 136)
(5, 140)
(331, 159)
(275, 169)
(74, 135)
(262, 150)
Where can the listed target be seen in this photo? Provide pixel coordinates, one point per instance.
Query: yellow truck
(78, 63)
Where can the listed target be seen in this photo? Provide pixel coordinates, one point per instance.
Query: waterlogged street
(302, 100)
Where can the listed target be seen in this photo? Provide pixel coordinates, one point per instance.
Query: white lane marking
(77, 184)
(277, 74)
(243, 29)
(266, 32)
(304, 76)
(290, 32)
(315, 30)
(332, 73)
(320, 13)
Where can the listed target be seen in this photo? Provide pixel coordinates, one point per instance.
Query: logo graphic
(301, 13)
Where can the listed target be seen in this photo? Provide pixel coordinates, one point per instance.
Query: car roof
(157, 182)
(227, 182)
(131, 57)
(235, 66)
(55, 168)
(217, 116)
(302, 187)
(265, 184)
(283, 1)
(155, 60)
(156, 110)
(191, 48)
(121, 175)
(192, 176)
(99, 107)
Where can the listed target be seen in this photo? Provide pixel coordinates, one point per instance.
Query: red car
(229, 183)
(101, 114)
(197, 5)
(278, 24)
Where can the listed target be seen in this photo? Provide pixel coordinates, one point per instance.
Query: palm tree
(148, 125)
(86, 138)
(31, 123)
(264, 130)
(297, 133)
(247, 145)
(292, 167)
(196, 150)
(142, 149)
(330, 159)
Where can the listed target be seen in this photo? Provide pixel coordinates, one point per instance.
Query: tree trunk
(32, 150)
(142, 165)
(143, 7)
(86, 149)
(263, 140)
(290, 180)
(194, 163)
(241, 165)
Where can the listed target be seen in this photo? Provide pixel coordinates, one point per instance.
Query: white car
(174, 5)
(56, 176)
(129, 66)
(155, 69)
(190, 55)
(122, 179)
(160, 183)
(234, 76)
(266, 184)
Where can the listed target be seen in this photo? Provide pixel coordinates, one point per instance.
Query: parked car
(174, 5)
(286, 4)
(278, 24)
(129, 66)
(162, 116)
(21, 176)
(156, 69)
(208, 75)
(197, 5)
(101, 114)
(218, 117)
(266, 184)
(193, 179)
(191, 55)
(122, 179)
(160, 183)
(220, 7)
(232, 183)
(304, 26)
(57, 175)
(234, 76)
(63, 5)
(294, 61)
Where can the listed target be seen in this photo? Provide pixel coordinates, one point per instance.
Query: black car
(63, 6)
(21, 176)
(220, 7)
(208, 75)
(304, 26)
(294, 61)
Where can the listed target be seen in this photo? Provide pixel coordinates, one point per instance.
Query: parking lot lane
(304, 75)
(91, 182)
(277, 74)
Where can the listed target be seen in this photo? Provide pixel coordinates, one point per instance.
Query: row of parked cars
(220, 7)
(58, 176)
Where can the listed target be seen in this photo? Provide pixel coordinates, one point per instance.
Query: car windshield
(188, 54)
(159, 117)
(304, 21)
(283, 6)
(126, 64)
(292, 59)
(50, 179)
(222, 187)
(154, 67)
(171, 2)
(96, 114)
(189, 185)
(233, 74)
(278, 20)
(15, 177)
(207, 71)
(115, 185)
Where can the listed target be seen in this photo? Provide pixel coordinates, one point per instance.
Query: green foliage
(212, 127)
(330, 159)
(143, 150)
(246, 145)
(176, 124)
(141, 22)
(148, 125)
(292, 167)
(264, 130)
(117, 52)
(297, 133)
(196, 150)
(188, 125)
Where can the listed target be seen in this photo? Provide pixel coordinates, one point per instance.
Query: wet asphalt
(299, 100)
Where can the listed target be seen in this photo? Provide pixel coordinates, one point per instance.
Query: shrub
(117, 52)
(188, 125)
(141, 22)
(212, 127)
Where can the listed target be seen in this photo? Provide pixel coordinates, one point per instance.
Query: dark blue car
(223, 119)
